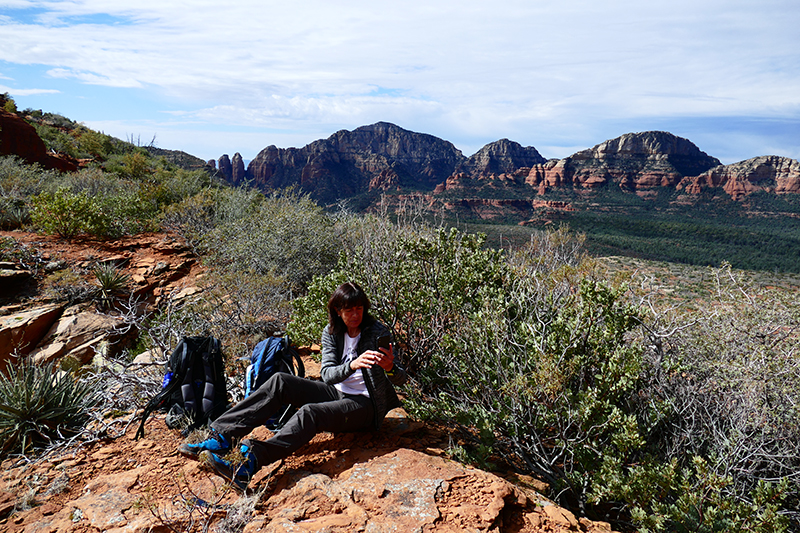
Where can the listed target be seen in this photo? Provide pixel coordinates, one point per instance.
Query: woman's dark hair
(346, 296)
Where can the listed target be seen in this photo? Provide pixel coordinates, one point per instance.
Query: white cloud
(551, 72)
(93, 79)
(25, 92)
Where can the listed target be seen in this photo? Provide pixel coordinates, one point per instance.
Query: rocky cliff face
(635, 162)
(19, 138)
(237, 169)
(500, 157)
(773, 174)
(225, 167)
(381, 156)
(233, 171)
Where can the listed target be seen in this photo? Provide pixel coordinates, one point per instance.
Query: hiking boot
(216, 443)
(239, 476)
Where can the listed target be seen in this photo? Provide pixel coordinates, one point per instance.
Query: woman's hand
(383, 358)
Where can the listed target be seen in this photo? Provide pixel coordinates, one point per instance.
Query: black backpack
(195, 381)
(274, 354)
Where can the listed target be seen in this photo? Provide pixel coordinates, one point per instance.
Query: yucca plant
(112, 281)
(39, 405)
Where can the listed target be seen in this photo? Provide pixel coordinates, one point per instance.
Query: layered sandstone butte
(498, 165)
(348, 163)
(635, 162)
(771, 174)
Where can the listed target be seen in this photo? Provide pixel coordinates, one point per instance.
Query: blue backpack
(274, 354)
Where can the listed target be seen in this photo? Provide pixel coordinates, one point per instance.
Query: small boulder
(22, 330)
(77, 334)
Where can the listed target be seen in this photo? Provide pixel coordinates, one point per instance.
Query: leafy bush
(169, 186)
(731, 376)
(68, 214)
(532, 353)
(194, 217)
(93, 143)
(94, 203)
(418, 278)
(19, 180)
(39, 405)
(692, 499)
(8, 103)
(285, 235)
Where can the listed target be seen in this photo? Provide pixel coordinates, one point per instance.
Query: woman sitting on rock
(355, 394)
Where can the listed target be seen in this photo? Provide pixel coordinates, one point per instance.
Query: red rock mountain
(766, 173)
(634, 162)
(349, 163)
(384, 157)
(501, 157)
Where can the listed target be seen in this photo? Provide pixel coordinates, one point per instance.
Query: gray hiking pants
(321, 408)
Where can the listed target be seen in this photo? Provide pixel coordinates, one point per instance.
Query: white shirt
(354, 384)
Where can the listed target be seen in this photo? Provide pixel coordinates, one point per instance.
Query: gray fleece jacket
(379, 383)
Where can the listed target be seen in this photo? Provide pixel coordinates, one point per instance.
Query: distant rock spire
(225, 167)
(237, 172)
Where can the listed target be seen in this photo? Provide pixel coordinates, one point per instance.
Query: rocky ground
(398, 479)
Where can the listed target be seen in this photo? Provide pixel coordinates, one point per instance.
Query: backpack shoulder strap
(178, 363)
(292, 354)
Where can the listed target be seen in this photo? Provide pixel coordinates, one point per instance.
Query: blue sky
(209, 78)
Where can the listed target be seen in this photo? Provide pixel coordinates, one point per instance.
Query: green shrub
(528, 354)
(19, 180)
(8, 103)
(695, 498)
(93, 143)
(547, 376)
(168, 187)
(419, 279)
(731, 375)
(95, 203)
(194, 217)
(68, 214)
(285, 235)
(39, 404)
(134, 164)
(92, 181)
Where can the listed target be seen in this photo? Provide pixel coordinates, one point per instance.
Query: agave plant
(39, 405)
